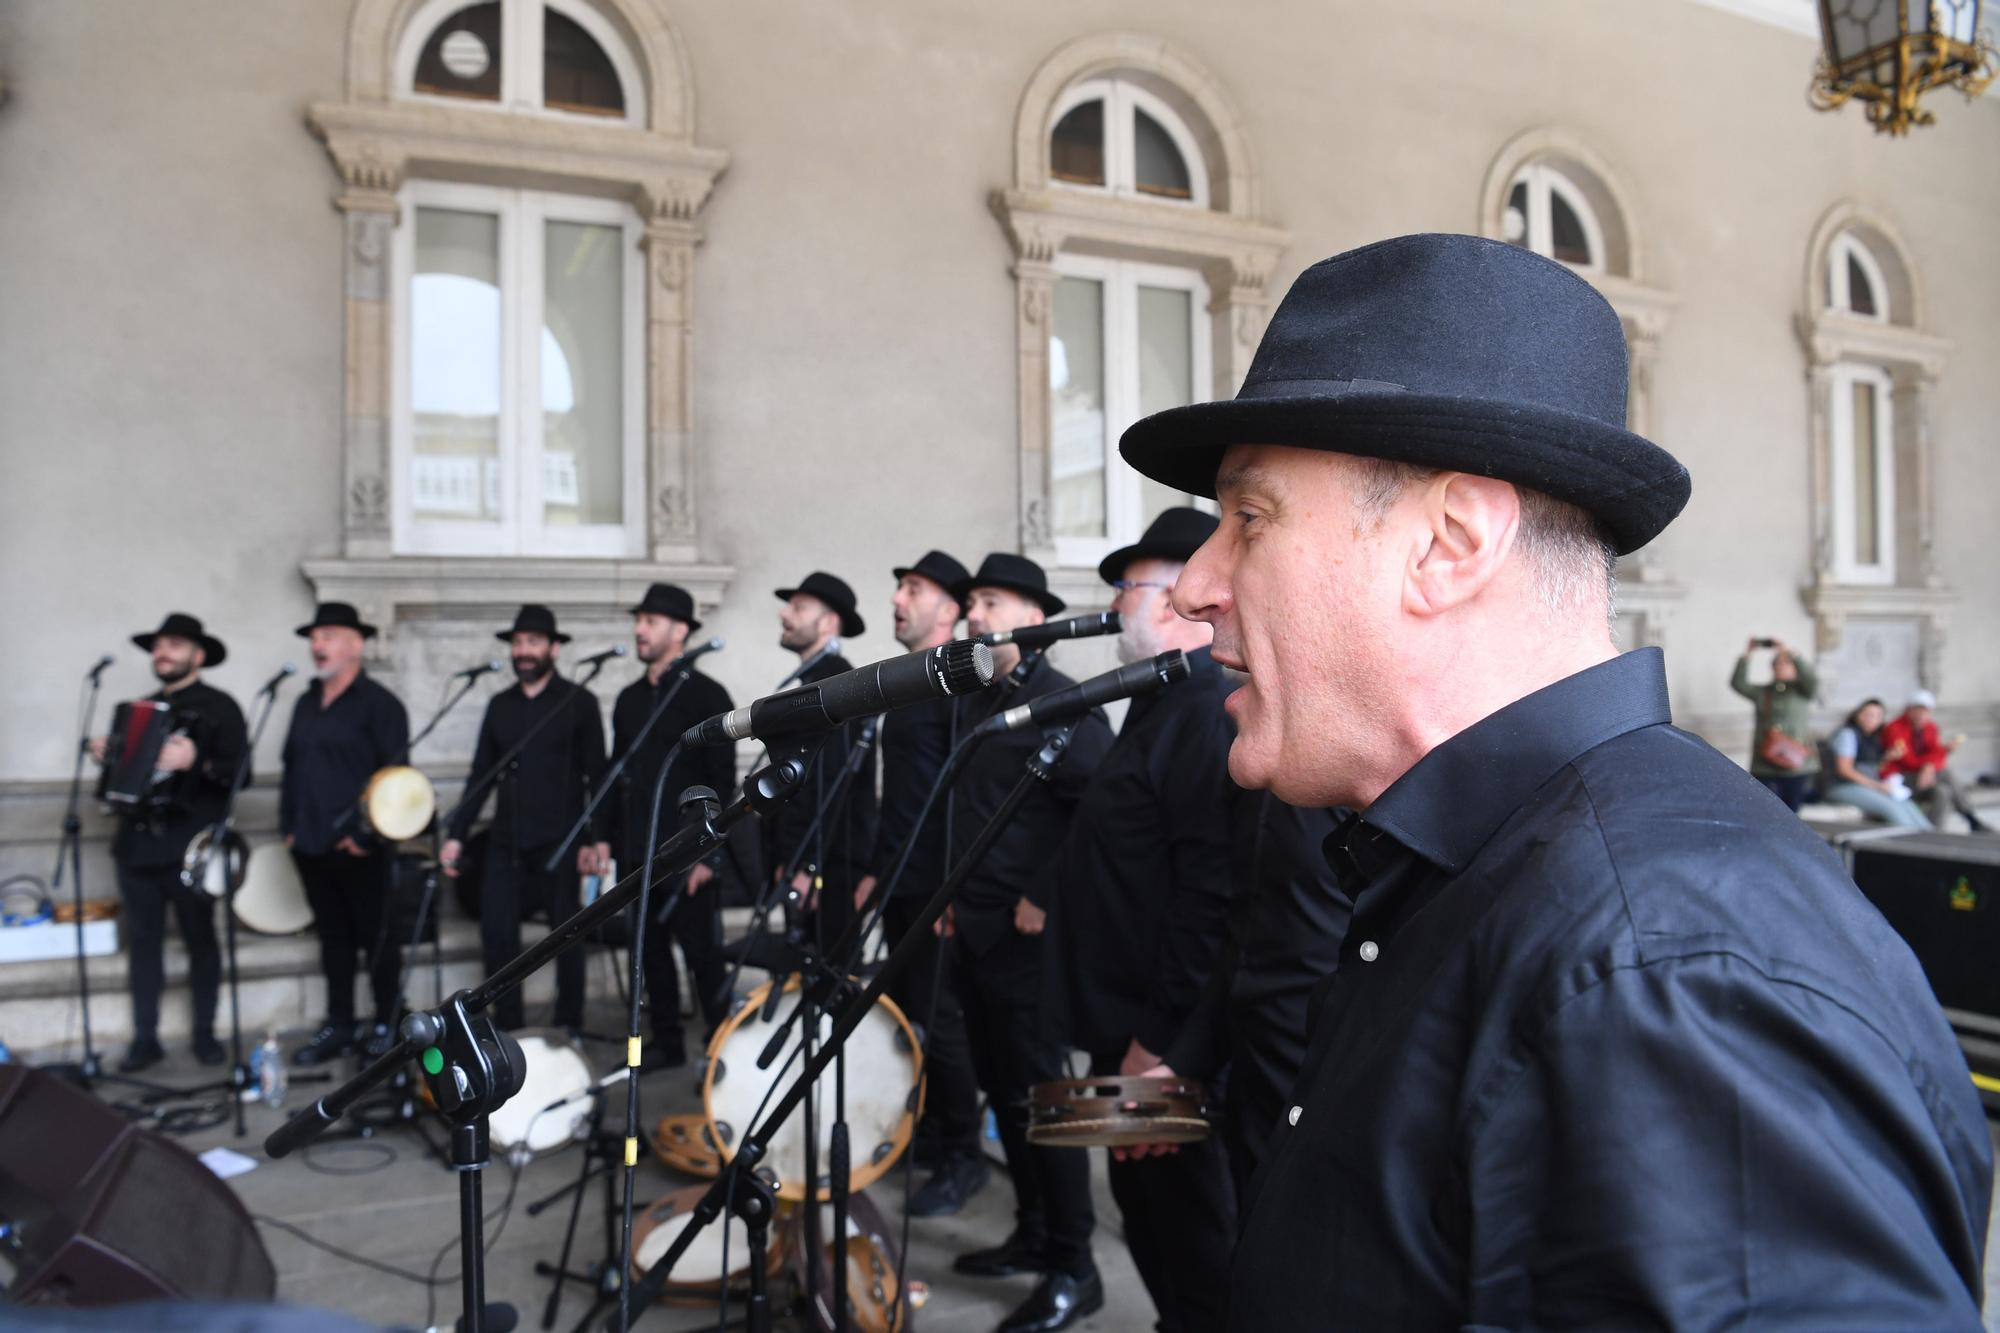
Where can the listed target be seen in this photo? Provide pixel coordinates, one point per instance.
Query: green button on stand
(433, 1060)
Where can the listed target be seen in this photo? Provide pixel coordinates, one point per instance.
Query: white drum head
(702, 1264)
(272, 900)
(399, 802)
(551, 1106)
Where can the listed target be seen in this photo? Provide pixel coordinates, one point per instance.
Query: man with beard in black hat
(344, 727)
(817, 615)
(206, 747)
(661, 624)
(542, 790)
(1138, 922)
(998, 922)
(915, 744)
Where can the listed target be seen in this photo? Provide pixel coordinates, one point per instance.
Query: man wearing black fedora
(1000, 953)
(542, 791)
(1613, 1040)
(345, 726)
(661, 624)
(817, 615)
(915, 744)
(1137, 926)
(207, 745)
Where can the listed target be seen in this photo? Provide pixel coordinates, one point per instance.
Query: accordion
(131, 781)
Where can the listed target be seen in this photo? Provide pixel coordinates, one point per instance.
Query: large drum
(699, 1275)
(398, 803)
(553, 1105)
(272, 899)
(882, 1066)
(1118, 1111)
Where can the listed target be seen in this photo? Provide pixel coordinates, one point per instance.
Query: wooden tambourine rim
(1057, 1119)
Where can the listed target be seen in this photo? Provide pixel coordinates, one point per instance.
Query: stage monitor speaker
(102, 1212)
(1941, 891)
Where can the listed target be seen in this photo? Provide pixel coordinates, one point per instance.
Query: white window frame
(521, 58)
(521, 530)
(1120, 100)
(1841, 380)
(1121, 280)
(1543, 182)
(1840, 294)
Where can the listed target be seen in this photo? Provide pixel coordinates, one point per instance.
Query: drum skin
(698, 1277)
(873, 1272)
(272, 899)
(683, 1143)
(556, 1072)
(398, 803)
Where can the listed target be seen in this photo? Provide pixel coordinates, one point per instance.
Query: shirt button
(1293, 1115)
(1370, 951)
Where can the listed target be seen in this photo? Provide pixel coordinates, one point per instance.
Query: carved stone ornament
(368, 502)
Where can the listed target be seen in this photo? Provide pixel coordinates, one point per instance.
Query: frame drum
(398, 803)
(272, 900)
(1118, 1111)
(554, 1101)
(699, 1277)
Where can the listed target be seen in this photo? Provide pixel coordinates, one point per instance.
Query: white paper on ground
(227, 1162)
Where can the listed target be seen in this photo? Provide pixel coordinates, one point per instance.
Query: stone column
(1239, 310)
(670, 452)
(368, 211)
(1036, 283)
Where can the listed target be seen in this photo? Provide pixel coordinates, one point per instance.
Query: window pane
(1566, 232)
(1867, 536)
(583, 374)
(1076, 149)
(455, 366)
(576, 74)
(1166, 374)
(462, 58)
(1860, 291)
(1158, 167)
(1514, 223)
(1076, 408)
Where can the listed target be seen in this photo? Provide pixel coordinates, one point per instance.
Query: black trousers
(1180, 1224)
(349, 895)
(696, 925)
(513, 882)
(148, 892)
(1001, 992)
(929, 997)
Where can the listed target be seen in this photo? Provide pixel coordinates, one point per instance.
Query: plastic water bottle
(268, 1066)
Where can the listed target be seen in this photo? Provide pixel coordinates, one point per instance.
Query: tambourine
(1119, 1111)
(684, 1143)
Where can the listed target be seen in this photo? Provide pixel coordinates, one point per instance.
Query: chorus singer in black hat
(1613, 1040)
(202, 754)
(661, 624)
(1138, 922)
(1000, 954)
(542, 791)
(914, 745)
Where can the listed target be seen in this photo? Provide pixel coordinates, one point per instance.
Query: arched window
(1111, 134)
(556, 56)
(1548, 213)
(1855, 282)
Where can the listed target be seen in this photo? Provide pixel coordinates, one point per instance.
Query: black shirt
(626, 814)
(330, 753)
(543, 790)
(915, 742)
(210, 719)
(1022, 862)
(1614, 1041)
(846, 836)
(1144, 882)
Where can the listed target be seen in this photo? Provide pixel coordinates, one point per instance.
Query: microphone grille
(965, 665)
(1113, 622)
(1172, 666)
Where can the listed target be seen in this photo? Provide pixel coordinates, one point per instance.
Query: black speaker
(102, 1212)
(1941, 891)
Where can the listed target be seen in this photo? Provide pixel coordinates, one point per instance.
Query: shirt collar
(1455, 798)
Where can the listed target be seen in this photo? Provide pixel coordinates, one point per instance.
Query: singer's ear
(1460, 529)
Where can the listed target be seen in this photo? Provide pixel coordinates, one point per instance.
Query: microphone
(689, 655)
(958, 667)
(474, 673)
(271, 685)
(1127, 682)
(599, 659)
(1039, 636)
(98, 671)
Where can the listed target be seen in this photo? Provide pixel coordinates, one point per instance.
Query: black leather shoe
(375, 1039)
(329, 1043)
(957, 1179)
(208, 1050)
(1059, 1300)
(1017, 1254)
(144, 1053)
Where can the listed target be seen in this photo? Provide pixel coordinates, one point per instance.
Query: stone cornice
(501, 585)
(1832, 338)
(1042, 222)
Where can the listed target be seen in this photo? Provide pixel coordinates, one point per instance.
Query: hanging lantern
(1888, 53)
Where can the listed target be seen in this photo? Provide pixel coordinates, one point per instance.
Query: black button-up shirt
(915, 742)
(1139, 915)
(330, 753)
(1022, 862)
(212, 721)
(1614, 1041)
(845, 839)
(627, 812)
(543, 790)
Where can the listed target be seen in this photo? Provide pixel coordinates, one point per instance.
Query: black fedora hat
(1015, 573)
(940, 569)
(668, 599)
(336, 615)
(181, 625)
(1175, 535)
(533, 619)
(1451, 352)
(836, 594)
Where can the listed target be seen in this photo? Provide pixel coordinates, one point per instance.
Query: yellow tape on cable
(631, 1152)
(632, 1052)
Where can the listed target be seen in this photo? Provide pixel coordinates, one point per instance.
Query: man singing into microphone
(542, 791)
(661, 623)
(344, 727)
(999, 957)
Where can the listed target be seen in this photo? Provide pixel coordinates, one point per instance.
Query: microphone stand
(70, 850)
(685, 667)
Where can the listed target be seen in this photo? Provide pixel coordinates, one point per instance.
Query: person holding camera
(1782, 755)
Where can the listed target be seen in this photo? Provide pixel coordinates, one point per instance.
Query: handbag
(1782, 751)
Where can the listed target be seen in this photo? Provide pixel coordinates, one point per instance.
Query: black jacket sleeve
(1191, 775)
(483, 756)
(227, 737)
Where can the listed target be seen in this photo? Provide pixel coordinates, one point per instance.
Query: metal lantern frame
(1888, 53)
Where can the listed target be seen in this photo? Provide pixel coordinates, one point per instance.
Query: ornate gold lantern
(1888, 53)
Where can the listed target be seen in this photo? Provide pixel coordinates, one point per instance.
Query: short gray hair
(1574, 562)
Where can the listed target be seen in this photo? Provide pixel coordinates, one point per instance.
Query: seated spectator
(1912, 750)
(1782, 756)
(1855, 776)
